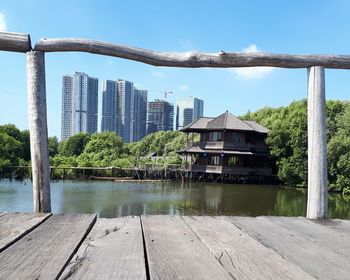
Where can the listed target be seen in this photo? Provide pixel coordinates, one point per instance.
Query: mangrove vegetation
(287, 143)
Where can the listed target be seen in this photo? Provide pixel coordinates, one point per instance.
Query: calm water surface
(109, 199)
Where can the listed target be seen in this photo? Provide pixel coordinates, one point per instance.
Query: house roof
(225, 121)
(198, 150)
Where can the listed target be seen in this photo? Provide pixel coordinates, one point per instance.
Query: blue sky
(294, 27)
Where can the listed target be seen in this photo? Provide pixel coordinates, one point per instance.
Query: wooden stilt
(38, 131)
(317, 204)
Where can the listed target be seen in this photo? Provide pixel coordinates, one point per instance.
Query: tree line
(287, 143)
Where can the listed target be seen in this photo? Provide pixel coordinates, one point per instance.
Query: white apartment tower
(79, 104)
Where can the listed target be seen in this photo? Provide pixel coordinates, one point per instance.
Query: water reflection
(109, 199)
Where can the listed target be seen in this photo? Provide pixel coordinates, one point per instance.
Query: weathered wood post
(38, 130)
(317, 203)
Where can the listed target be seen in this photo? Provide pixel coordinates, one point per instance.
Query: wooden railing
(226, 145)
(317, 163)
(231, 170)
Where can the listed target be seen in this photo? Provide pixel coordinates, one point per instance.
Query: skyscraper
(126, 110)
(140, 114)
(92, 105)
(110, 117)
(188, 116)
(67, 127)
(193, 104)
(198, 105)
(79, 104)
(160, 116)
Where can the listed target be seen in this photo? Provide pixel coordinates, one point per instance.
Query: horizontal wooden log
(193, 59)
(14, 42)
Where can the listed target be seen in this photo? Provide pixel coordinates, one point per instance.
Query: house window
(215, 136)
(214, 160)
(235, 138)
(233, 161)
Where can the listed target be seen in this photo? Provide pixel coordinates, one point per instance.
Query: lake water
(109, 199)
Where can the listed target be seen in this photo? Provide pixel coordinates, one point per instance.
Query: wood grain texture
(341, 226)
(39, 147)
(321, 235)
(317, 202)
(310, 257)
(193, 59)
(174, 252)
(112, 250)
(14, 42)
(44, 252)
(15, 225)
(242, 256)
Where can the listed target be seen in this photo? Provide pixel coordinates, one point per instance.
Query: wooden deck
(79, 246)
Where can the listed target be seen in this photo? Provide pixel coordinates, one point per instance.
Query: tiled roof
(197, 149)
(225, 121)
(199, 124)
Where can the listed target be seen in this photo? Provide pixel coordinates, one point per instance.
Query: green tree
(11, 130)
(25, 139)
(10, 148)
(53, 146)
(75, 145)
(102, 149)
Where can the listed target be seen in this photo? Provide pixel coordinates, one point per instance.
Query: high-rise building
(110, 116)
(79, 104)
(177, 123)
(92, 105)
(140, 114)
(188, 116)
(67, 127)
(185, 106)
(160, 116)
(126, 110)
(198, 105)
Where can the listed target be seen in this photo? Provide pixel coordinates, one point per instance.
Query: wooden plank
(174, 252)
(14, 42)
(322, 235)
(310, 257)
(15, 225)
(242, 256)
(44, 252)
(317, 202)
(341, 226)
(193, 59)
(39, 148)
(112, 250)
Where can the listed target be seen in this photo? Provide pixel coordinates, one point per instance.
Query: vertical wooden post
(317, 203)
(38, 130)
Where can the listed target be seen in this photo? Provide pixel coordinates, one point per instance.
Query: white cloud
(252, 72)
(183, 87)
(158, 74)
(186, 44)
(2, 22)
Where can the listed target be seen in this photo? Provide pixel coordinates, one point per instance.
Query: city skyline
(125, 109)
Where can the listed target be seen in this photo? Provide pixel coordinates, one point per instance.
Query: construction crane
(166, 94)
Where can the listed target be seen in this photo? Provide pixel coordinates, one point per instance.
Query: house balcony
(224, 145)
(217, 169)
